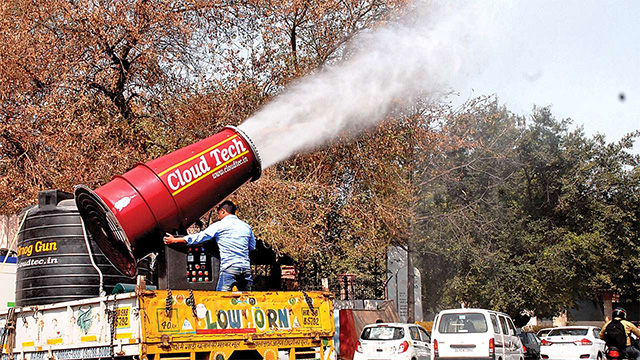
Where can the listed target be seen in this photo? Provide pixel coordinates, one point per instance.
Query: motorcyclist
(621, 315)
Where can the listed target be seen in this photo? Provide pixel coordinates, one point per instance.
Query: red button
(197, 266)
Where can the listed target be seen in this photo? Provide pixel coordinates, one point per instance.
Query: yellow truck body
(162, 324)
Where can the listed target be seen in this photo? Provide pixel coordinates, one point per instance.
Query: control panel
(182, 267)
(198, 265)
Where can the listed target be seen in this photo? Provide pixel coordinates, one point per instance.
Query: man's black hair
(228, 206)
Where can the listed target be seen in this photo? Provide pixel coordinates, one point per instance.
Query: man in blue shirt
(235, 240)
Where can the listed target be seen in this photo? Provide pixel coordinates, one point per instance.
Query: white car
(543, 332)
(475, 334)
(572, 342)
(390, 341)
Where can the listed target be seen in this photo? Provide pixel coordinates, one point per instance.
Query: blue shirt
(235, 239)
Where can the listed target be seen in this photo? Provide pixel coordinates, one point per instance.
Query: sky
(576, 56)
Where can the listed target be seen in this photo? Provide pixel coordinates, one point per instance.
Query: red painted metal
(129, 215)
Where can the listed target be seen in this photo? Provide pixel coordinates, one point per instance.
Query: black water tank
(53, 262)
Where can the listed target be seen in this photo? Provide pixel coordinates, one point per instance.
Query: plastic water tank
(53, 261)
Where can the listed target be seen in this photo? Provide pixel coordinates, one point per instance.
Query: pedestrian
(235, 239)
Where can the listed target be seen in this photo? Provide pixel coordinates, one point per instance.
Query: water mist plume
(424, 54)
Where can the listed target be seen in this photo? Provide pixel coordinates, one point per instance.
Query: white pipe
(86, 242)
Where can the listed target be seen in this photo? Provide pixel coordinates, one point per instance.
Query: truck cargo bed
(175, 324)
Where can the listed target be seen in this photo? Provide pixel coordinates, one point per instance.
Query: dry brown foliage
(90, 87)
(338, 210)
(80, 85)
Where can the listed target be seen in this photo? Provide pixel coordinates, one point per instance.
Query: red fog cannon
(128, 216)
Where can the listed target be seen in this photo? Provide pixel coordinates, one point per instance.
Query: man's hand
(170, 239)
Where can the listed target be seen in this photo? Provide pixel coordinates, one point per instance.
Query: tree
(82, 86)
(342, 207)
(527, 216)
(90, 88)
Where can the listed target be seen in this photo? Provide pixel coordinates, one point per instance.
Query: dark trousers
(632, 352)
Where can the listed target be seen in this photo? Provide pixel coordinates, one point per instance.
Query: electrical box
(184, 267)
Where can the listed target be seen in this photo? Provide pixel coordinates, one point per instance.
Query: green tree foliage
(530, 216)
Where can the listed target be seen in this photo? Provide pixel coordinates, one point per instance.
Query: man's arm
(634, 329)
(603, 330)
(203, 236)
(170, 239)
(197, 238)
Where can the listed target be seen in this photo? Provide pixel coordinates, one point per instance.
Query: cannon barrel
(128, 216)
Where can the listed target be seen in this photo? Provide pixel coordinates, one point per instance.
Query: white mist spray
(424, 54)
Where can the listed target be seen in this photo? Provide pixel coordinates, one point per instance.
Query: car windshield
(462, 323)
(382, 333)
(567, 332)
